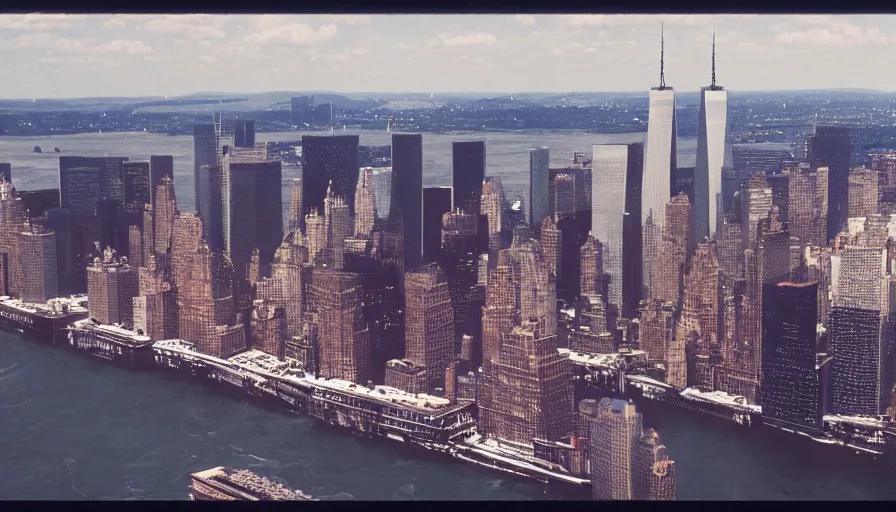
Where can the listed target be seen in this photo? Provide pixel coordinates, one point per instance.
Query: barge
(112, 342)
(42, 322)
(224, 484)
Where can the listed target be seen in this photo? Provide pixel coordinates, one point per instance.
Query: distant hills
(279, 100)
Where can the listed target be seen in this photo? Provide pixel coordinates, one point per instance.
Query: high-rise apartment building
(863, 192)
(592, 268)
(429, 322)
(616, 220)
(830, 147)
(12, 222)
(436, 203)
(539, 179)
(792, 390)
(37, 255)
(365, 207)
(858, 336)
(467, 174)
(493, 207)
(111, 288)
(329, 162)
(615, 430)
(343, 336)
(407, 193)
(527, 391)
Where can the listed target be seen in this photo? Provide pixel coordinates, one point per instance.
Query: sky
(69, 56)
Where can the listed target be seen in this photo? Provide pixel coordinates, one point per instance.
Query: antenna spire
(713, 56)
(662, 50)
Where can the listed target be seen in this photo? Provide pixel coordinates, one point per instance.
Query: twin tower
(660, 160)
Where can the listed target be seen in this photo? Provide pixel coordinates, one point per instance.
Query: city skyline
(146, 55)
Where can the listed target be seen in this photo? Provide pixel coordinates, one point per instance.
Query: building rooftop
(91, 325)
(53, 307)
(720, 397)
(259, 487)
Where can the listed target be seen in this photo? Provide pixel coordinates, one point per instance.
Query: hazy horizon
(58, 56)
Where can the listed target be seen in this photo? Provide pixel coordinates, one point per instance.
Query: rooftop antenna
(713, 57)
(662, 56)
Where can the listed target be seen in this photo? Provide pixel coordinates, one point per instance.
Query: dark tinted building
(159, 167)
(407, 193)
(137, 190)
(791, 388)
(37, 202)
(855, 340)
(327, 159)
(467, 173)
(105, 181)
(60, 221)
(205, 152)
(436, 203)
(209, 183)
(829, 147)
(113, 225)
(6, 172)
(244, 133)
(255, 215)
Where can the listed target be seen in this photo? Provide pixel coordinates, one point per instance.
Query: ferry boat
(224, 484)
(42, 322)
(112, 342)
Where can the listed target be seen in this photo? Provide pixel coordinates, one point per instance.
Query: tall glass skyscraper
(659, 163)
(712, 141)
(616, 219)
(539, 183)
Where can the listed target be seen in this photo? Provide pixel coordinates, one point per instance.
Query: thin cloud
(472, 39)
(191, 26)
(294, 33)
(526, 20)
(833, 32)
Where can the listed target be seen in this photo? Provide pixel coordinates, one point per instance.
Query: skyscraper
(159, 167)
(37, 254)
(429, 321)
(343, 335)
(859, 338)
(365, 208)
(458, 258)
(829, 147)
(436, 203)
(616, 214)
(467, 173)
(660, 162)
(407, 196)
(205, 153)
(564, 196)
(111, 288)
(791, 388)
(527, 391)
(244, 133)
(615, 431)
(863, 192)
(493, 206)
(12, 222)
(712, 145)
(539, 181)
(253, 216)
(329, 161)
(137, 190)
(37, 202)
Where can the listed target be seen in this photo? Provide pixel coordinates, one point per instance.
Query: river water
(72, 427)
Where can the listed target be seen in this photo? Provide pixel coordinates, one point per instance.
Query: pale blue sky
(58, 56)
